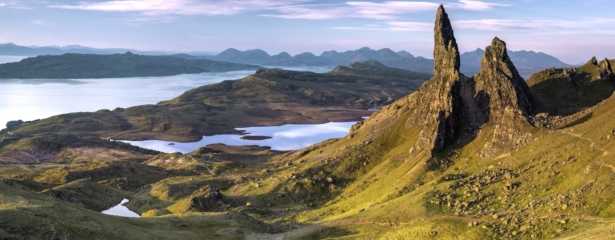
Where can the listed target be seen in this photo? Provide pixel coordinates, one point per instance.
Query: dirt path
(202, 165)
(593, 145)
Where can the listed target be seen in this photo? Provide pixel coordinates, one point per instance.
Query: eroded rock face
(593, 61)
(437, 102)
(606, 72)
(574, 77)
(206, 199)
(509, 99)
(451, 106)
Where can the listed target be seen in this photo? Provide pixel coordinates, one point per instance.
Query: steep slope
(507, 180)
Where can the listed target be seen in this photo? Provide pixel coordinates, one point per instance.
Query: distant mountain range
(16, 50)
(527, 62)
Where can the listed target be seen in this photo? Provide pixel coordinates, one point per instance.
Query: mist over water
(30, 99)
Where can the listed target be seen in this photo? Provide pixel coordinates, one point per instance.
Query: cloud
(2, 4)
(288, 9)
(371, 10)
(489, 25)
(410, 26)
(178, 7)
(41, 23)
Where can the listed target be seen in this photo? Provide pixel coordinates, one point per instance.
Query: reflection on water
(121, 210)
(285, 137)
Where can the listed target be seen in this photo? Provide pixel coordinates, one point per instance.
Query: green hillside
(482, 157)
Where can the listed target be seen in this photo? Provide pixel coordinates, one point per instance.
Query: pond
(121, 210)
(285, 137)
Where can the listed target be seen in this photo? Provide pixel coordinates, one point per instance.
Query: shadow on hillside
(557, 96)
(578, 121)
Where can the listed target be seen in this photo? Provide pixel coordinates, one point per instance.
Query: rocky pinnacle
(446, 54)
(508, 99)
(437, 102)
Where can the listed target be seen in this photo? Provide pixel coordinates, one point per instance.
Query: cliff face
(504, 98)
(437, 103)
(451, 106)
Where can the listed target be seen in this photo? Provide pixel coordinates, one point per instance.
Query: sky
(571, 30)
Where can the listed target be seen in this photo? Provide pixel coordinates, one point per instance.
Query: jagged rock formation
(207, 198)
(451, 106)
(574, 77)
(509, 98)
(606, 72)
(593, 61)
(437, 102)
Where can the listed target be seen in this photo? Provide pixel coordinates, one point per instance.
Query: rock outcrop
(606, 72)
(451, 106)
(574, 76)
(593, 61)
(437, 103)
(509, 99)
(206, 199)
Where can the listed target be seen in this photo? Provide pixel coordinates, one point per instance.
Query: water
(7, 59)
(121, 210)
(30, 99)
(285, 137)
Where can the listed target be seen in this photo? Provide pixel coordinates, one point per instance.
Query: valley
(447, 156)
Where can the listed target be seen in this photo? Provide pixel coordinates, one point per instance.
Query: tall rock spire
(437, 101)
(446, 53)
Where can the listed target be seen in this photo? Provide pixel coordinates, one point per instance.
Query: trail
(593, 145)
(213, 174)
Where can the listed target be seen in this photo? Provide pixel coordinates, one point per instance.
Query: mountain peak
(446, 54)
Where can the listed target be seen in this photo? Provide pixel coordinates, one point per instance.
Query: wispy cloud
(15, 4)
(489, 25)
(289, 9)
(41, 23)
(371, 10)
(179, 7)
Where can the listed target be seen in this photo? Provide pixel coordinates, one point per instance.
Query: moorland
(488, 156)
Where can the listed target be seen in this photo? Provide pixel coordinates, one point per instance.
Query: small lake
(121, 210)
(31, 99)
(285, 137)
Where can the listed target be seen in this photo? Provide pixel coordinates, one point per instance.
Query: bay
(30, 99)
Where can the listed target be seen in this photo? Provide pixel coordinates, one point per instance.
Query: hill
(268, 97)
(459, 158)
(112, 66)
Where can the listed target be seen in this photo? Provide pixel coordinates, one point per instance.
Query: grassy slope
(558, 186)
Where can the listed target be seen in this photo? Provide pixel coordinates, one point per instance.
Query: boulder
(206, 199)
